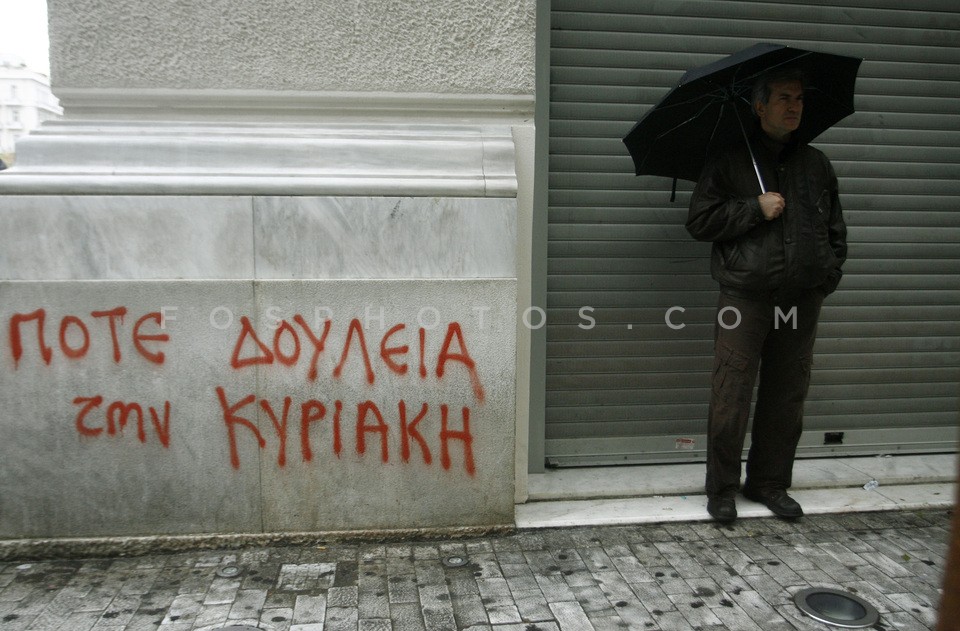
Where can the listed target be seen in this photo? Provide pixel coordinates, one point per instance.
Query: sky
(23, 32)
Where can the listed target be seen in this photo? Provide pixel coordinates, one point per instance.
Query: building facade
(290, 267)
(25, 103)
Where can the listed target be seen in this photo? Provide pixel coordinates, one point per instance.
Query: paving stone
(695, 611)
(222, 591)
(338, 619)
(608, 623)
(667, 577)
(579, 578)
(248, 604)
(522, 583)
(375, 624)
(184, 608)
(430, 573)
(501, 610)
(533, 606)
(918, 607)
(401, 589)
(437, 608)
(570, 616)
(903, 621)
(469, 610)
(279, 619)
(672, 620)
(493, 587)
(634, 615)
(309, 609)
(307, 576)
(407, 617)
(632, 569)
(554, 588)
(652, 597)
(342, 596)
(593, 600)
(736, 618)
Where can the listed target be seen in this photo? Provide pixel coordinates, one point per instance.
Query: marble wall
(242, 364)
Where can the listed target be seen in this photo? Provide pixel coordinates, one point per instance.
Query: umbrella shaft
(756, 169)
(746, 139)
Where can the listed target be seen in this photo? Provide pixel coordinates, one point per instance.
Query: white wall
(442, 46)
(233, 161)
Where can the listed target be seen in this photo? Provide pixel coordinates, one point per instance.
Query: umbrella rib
(713, 96)
(769, 68)
(679, 125)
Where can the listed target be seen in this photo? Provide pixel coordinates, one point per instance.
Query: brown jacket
(811, 242)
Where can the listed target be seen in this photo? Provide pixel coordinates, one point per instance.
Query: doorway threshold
(674, 492)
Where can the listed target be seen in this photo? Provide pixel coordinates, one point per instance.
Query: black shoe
(777, 501)
(722, 509)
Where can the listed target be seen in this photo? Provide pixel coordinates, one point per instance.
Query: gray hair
(761, 87)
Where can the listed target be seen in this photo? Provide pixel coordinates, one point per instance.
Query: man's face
(781, 115)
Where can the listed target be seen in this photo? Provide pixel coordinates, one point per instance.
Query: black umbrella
(710, 106)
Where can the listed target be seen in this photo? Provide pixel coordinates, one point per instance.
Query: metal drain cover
(836, 608)
(228, 571)
(455, 561)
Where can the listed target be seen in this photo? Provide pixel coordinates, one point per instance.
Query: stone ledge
(166, 158)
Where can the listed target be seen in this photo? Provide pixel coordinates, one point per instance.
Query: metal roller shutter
(622, 386)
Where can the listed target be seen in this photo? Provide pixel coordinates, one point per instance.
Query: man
(776, 256)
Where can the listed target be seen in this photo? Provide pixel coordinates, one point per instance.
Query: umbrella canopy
(710, 106)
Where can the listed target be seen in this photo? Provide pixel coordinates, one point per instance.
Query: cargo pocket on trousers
(803, 367)
(730, 379)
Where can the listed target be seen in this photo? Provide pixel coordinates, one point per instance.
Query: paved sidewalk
(671, 577)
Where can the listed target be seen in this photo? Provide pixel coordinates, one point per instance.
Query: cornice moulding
(265, 158)
(237, 105)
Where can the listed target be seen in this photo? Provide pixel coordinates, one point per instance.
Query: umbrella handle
(753, 158)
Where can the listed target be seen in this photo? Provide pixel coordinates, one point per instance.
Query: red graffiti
(355, 326)
(368, 407)
(16, 344)
(139, 338)
(69, 351)
(77, 338)
(251, 350)
(246, 330)
(371, 424)
(409, 430)
(318, 344)
(453, 331)
(387, 352)
(118, 414)
(113, 315)
(311, 412)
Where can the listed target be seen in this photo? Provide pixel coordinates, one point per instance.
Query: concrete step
(669, 493)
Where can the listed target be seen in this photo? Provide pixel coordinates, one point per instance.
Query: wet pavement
(669, 577)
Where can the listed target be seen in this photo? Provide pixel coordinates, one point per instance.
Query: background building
(25, 102)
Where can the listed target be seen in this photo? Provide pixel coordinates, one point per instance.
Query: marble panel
(378, 475)
(380, 237)
(125, 237)
(79, 363)
(417, 377)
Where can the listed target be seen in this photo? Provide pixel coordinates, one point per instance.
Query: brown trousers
(775, 335)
